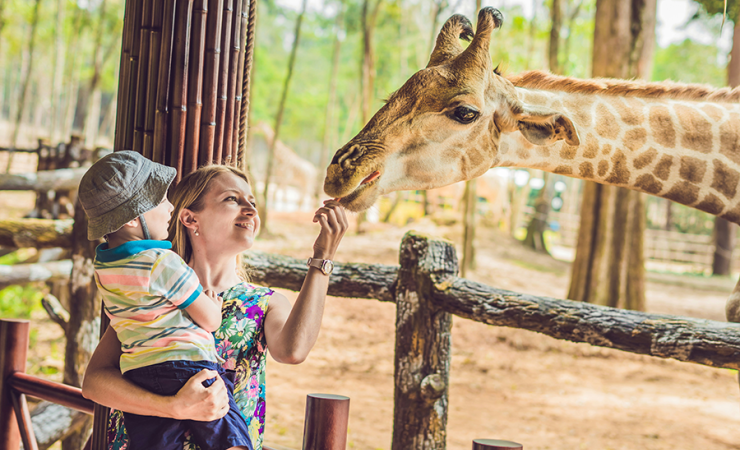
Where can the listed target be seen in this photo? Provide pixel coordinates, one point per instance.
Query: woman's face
(229, 219)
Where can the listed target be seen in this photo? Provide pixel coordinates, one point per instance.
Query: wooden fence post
(422, 363)
(13, 351)
(327, 418)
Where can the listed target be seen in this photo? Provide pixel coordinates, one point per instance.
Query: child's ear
(132, 223)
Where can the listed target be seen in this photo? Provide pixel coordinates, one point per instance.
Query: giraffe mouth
(370, 178)
(352, 200)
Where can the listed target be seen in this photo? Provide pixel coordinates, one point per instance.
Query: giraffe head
(443, 125)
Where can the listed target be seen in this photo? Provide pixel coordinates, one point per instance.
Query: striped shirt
(146, 288)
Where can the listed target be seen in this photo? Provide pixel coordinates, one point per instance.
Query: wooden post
(327, 418)
(423, 331)
(495, 444)
(13, 350)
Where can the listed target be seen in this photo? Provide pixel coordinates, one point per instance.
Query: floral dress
(240, 341)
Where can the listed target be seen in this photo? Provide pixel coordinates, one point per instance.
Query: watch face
(327, 267)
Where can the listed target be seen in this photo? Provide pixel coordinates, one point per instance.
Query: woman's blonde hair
(189, 194)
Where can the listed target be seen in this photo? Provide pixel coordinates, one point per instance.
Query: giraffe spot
(602, 168)
(713, 112)
(729, 138)
(543, 150)
(523, 153)
(697, 134)
(606, 149)
(586, 169)
(645, 158)
(648, 183)
(629, 110)
(663, 168)
(733, 215)
(662, 126)
(711, 204)
(635, 138)
(620, 174)
(568, 151)
(684, 193)
(725, 179)
(503, 148)
(591, 148)
(692, 169)
(606, 123)
(578, 108)
(563, 170)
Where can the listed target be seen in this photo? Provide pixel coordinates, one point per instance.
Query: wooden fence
(693, 252)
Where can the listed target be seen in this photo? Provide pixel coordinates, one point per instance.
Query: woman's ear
(187, 218)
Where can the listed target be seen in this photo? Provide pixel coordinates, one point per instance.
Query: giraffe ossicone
(458, 117)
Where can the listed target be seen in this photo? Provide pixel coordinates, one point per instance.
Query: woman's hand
(333, 221)
(197, 402)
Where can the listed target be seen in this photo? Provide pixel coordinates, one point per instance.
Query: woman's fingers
(204, 403)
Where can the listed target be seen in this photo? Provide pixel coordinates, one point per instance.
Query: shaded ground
(505, 383)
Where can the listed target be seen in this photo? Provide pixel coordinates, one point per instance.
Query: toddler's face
(158, 219)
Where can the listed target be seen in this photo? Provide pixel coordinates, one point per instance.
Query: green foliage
(679, 62)
(713, 7)
(18, 302)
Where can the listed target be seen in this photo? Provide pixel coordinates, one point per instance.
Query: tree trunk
(556, 18)
(535, 238)
(724, 231)
(329, 122)
(26, 82)
(82, 331)
(470, 201)
(609, 265)
(58, 80)
(279, 117)
(89, 107)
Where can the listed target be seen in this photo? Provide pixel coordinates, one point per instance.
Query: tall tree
(609, 265)
(331, 103)
(725, 232)
(25, 83)
(58, 77)
(279, 115)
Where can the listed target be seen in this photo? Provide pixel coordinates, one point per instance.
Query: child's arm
(206, 311)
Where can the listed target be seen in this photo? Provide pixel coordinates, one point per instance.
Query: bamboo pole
(141, 76)
(223, 80)
(180, 60)
(231, 91)
(123, 76)
(155, 50)
(247, 85)
(129, 119)
(210, 82)
(161, 116)
(195, 86)
(239, 86)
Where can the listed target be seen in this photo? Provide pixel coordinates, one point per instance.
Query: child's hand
(334, 224)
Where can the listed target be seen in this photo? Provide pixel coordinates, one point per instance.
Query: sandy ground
(505, 383)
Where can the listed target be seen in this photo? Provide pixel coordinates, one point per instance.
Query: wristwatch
(325, 265)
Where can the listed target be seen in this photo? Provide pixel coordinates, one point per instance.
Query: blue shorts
(149, 432)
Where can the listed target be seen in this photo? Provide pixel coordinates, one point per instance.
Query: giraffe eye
(465, 114)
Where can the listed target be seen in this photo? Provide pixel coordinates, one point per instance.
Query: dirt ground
(505, 383)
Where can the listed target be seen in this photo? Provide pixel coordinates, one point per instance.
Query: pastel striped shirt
(145, 288)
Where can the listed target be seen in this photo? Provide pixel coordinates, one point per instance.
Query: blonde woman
(214, 220)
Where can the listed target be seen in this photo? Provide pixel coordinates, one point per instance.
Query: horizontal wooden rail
(25, 273)
(45, 180)
(36, 233)
(58, 393)
(706, 342)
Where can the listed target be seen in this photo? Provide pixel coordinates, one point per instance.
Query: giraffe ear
(544, 126)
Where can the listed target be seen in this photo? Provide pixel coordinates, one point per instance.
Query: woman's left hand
(334, 224)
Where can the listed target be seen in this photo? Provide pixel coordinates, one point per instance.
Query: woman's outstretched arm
(292, 332)
(104, 384)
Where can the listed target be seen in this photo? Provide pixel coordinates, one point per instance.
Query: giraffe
(459, 117)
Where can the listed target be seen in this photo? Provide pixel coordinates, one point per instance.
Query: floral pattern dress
(240, 341)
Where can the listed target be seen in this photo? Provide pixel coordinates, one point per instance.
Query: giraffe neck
(684, 151)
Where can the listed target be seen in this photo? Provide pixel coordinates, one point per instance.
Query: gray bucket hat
(119, 188)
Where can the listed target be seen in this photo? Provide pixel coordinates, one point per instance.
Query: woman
(214, 221)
